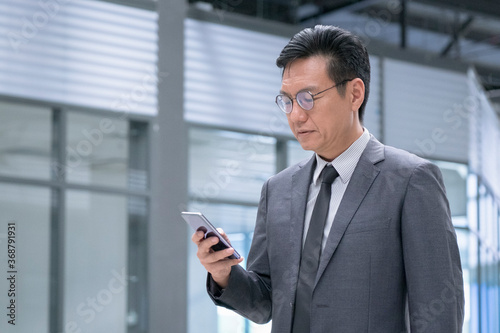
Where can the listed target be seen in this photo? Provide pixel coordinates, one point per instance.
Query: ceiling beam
(403, 21)
(141, 4)
(485, 7)
(325, 7)
(437, 24)
(457, 33)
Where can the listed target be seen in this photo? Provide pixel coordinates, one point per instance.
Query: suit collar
(300, 189)
(346, 162)
(363, 177)
(374, 151)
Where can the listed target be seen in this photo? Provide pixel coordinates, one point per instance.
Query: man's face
(331, 125)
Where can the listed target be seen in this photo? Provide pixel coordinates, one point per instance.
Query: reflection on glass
(26, 208)
(229, 166)
(97, 150)
(95, 266)
(25, 141)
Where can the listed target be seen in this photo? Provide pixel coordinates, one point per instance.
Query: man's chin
(306, 146)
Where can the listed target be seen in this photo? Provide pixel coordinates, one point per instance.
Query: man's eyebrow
(308, 88)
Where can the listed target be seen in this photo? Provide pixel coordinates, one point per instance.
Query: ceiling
(467, 31)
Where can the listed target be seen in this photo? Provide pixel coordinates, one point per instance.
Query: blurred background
(117, 115)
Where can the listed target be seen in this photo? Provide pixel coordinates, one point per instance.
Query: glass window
(483, 288)
(137, 316)
(498, 236)
(463, 238)
(493, 236)
(488, 269)
(232, 218)
(493, 306)
(201, 309)
(238, 222)
(95, 287)
(231, 323)
(228, 322)
(226, 174)
(139, 156)
(296, 153)
(228, 166)
(101, 293)
(97, 150)
(473, 261)
(27, 210)
(256, 328)
(25, 141)
(472, 202)
(455, 181)
(484, 216)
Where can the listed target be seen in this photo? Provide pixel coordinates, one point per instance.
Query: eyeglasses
(305, 99)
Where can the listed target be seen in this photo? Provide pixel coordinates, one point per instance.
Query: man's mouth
(303, 132)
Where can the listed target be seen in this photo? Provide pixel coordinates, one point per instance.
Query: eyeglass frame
(310, 93)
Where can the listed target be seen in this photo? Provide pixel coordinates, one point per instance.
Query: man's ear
(357, 93)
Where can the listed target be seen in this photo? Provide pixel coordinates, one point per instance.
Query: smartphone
(198, 221)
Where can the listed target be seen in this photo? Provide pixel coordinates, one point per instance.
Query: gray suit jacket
(391, 263)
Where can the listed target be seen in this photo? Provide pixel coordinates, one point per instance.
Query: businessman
(356, 239)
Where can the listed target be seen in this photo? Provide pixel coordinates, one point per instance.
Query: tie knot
(329, 174)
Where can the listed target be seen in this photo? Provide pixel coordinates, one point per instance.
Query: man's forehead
(312, 62)
(306, 72)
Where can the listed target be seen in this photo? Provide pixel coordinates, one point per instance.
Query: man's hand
(215, 262)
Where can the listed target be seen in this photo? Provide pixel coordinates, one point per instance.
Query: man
(365, 245)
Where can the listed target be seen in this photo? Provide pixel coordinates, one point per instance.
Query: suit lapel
(301, 180)
(364, 174)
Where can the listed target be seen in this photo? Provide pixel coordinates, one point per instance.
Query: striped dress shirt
(345, 164)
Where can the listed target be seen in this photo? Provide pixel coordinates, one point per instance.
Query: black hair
(346, 54)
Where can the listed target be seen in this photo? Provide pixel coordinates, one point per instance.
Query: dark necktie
(311, 253)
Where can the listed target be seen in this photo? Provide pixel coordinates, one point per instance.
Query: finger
(197, 237)
(231, 262)
(234, 262)
(223, 234)
(205, 247)
(217, 256)
(221, 269)
(223, 254)
(221, 265)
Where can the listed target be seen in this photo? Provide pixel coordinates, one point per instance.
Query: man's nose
(298, 114)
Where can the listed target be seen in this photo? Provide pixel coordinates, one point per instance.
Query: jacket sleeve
(249, 291)
(431, 256)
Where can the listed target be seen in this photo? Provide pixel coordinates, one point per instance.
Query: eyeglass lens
(303, 98)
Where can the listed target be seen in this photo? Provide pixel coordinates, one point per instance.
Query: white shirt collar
(346, 162)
